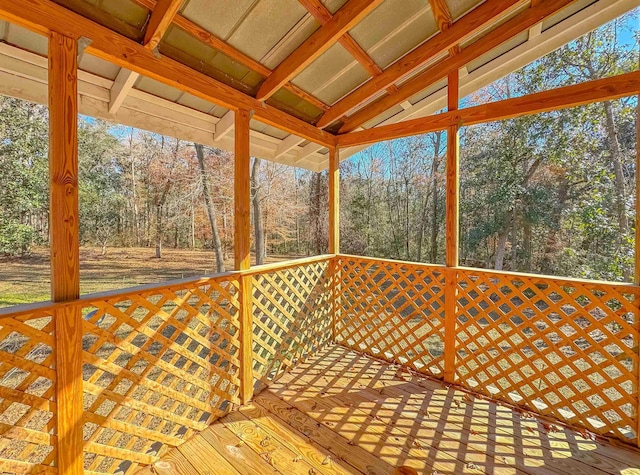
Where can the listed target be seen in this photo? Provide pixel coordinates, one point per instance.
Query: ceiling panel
(221, 15)
(457, 8)
(332, 75)
(268, 23)
(395, 28)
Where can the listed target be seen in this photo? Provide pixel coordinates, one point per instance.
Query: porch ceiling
(251, 46)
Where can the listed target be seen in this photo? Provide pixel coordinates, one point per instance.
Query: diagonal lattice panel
(159, 365)
(292, 310)
(27, 394)
(564, 348)
(392, 310)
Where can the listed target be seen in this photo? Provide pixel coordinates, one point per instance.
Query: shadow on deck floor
(344, 413)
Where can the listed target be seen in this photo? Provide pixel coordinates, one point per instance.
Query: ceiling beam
(344, 19)
(289, 143)
(323, 15)
(588, 92)
(161, 18)
(43, 16)
(224, 126)
(507, 30)
(121, 86)
(572, 27)
(307, 151)
(440, 43)
(235, 54)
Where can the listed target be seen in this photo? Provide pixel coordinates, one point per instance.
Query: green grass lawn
(27, 279)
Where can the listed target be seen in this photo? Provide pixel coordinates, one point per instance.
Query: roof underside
(240, 43)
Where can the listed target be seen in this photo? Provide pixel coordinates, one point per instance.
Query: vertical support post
(65, 250)
(242, 242)
(334, 229)
(452, 233)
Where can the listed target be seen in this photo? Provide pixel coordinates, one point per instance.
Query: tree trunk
(551, 244)
(258, 223)
(193, 226)
(502, 245)
(217, 244)
(616, 158)
(134, 200)
(434, 193)
(158, 231)
(527, 245)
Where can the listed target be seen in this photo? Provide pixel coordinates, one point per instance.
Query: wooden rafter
(43, 16)
(463, 28)
(121, 86)
(346, 18)
(588, 92)
(235, 54)
(507, 30)
(224, 126)
(161, 17)
(444, 19)
(323, 15)
(441, 13)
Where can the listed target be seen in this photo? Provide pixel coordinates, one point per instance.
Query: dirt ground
(27, 279)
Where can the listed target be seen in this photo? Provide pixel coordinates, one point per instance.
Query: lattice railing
(27, 394)
(292, 310)
(563, 348)
(159, 365)
(392, 310)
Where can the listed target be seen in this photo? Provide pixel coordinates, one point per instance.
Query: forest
(552, 193)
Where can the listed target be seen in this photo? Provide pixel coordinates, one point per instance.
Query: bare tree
(258, 222)
(217, 244)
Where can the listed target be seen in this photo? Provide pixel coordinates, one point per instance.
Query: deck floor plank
(340, 412)
(207, 460)
(237, 452)
(268, 446)
(174, 463)
(406, 404)
(443, 409)
(385, 441)
(341, 448)
(563, 451)
(409, 426)
(312, 452)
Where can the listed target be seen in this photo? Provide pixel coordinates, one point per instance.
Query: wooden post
(334, 229)
(242, 242)
(64, 241)
(452, 234)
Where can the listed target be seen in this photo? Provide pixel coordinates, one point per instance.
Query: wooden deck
(341, 412)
